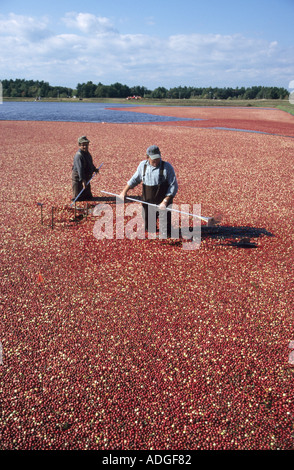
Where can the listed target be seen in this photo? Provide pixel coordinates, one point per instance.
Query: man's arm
(165, 202)
(78, 166)
(124, 192)
(172, 188)
(134, 181)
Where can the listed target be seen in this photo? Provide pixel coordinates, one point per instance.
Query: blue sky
(153, 43)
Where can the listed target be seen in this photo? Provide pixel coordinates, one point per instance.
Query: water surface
(75, 112)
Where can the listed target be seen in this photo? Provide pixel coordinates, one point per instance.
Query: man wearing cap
(82, 170)
(159, 186)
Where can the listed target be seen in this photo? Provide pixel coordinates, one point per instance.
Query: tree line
(21, 88)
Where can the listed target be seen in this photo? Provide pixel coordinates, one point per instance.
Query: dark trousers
(77, 187)
(157, 220)
(155, 195)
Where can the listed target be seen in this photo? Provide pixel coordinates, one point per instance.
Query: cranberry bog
(139, 344)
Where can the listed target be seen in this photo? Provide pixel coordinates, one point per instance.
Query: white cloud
(90, 48)
(150, 21)
(25, 28)
(88, 23)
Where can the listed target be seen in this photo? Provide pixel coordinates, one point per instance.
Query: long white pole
(206, 219)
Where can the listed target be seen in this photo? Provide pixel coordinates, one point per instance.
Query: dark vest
(155, 194)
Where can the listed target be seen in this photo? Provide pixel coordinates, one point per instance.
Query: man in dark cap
(159, 186)
(82, 171)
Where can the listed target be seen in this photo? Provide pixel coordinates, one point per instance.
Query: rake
(209, 220)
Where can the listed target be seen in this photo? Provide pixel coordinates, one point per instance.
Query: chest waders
(154, 195)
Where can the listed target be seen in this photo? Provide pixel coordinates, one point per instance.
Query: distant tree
(159, 93)
(274, 93)
(101, 91)
(139, 91)
(79, 90)
(34, 88)
(117, 90)
(88, 90)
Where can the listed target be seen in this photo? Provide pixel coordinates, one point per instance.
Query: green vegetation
(288, 107)
(258, 96)
(21, 88)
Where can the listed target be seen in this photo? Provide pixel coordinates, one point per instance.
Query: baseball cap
(83, 139)
(153, 152)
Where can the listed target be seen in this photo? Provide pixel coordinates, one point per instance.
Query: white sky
(154, 43)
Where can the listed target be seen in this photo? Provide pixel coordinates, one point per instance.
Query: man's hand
(163, 204)
(122, 195)
(124, 192)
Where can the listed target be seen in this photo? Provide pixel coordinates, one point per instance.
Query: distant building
(134, 97)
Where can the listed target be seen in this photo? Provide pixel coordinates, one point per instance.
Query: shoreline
(163, 102)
